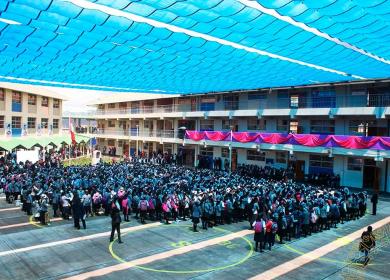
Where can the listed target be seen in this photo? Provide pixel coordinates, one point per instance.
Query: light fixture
(291, 152)
(330, 152)
(258, 148)
(205, 144)
(378, 156)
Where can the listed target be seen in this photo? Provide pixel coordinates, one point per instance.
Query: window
(16, 101)
(16, 122)
(282, 125)
(322, 126)
(2, 94)
(101, 106)
(257, 96)
(230, 124)
(255, 155)
(281, 157)
(44, 122)
(31, 122)
(225, 152)
(122, 105)
(56, 123)
(206, 125)
(111, 142)
(16, 97)
(206, 151)
(359, 127)
(323, 98)
(256, 124)
(56, 103)
(207, 103)
(111, 105)
(32, 99)
(231, 102)
(1, 121)
(321, 161)
(111, 123)
(294, 101)
(45, 101)
(294, 127)
(355, 164)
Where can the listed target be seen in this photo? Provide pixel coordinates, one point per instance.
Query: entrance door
(234, 159)
(299, 170)
(371, 175)
(126, 149)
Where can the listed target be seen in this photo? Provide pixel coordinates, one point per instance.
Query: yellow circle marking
(36, 224)
(250, 253)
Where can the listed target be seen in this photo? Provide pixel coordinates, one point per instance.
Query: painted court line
(9, 209)
(160, 256)
(298, 262)
(27, 223)
(73, 240)
(270, 274)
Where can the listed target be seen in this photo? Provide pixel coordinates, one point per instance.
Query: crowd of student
(267, 198)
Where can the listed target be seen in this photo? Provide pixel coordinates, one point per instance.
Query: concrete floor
(233, 259)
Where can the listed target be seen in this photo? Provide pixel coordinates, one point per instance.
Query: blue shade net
(59, 41)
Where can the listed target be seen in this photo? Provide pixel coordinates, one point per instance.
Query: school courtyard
(158, 251)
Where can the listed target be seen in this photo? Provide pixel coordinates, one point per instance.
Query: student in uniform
(259, 236)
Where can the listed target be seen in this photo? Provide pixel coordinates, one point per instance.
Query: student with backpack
(282, 227)
(270, 231)
(259, 237)
(143, 209)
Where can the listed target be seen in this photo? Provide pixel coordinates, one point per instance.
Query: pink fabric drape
(308, 140)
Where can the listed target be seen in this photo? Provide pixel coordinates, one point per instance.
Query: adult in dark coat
(374, 200)
(115, 220)
(76, 210)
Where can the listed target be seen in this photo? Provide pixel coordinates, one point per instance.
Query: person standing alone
(374, 200)
(115, 220)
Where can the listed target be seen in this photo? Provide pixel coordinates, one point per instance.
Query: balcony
(131, 133)
(292, 102)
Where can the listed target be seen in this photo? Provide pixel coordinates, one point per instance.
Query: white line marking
(73, 240)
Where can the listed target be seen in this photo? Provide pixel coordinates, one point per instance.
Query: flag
(72, 135)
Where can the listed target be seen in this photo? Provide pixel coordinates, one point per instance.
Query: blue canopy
(192, 46)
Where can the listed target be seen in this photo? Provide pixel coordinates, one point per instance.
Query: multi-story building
(149, 122)
(27, 110)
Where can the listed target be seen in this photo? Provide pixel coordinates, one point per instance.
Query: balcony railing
(134, 133)
(272, 102)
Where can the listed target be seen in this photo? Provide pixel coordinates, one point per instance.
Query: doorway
(371, 175)
(299, 170)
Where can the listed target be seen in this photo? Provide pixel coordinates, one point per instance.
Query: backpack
(284, 223)
(143, 205)
(274, 227)
(151, 204)
(258, 227)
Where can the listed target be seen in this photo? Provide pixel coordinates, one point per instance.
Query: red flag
(72, 135)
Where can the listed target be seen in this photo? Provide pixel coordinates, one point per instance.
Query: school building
(158, 122)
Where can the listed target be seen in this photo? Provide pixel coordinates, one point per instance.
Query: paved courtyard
(157, 251)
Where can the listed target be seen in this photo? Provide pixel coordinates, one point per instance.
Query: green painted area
(29, 142)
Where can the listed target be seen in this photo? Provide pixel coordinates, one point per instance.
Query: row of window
(321, 161)
(31, 122)
(356, 127)
(32, 99)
